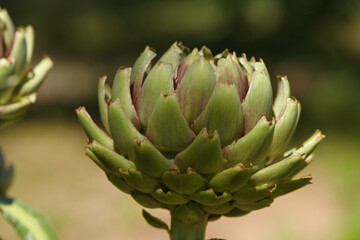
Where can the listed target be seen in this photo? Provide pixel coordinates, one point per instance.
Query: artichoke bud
(18, 82)
(199, 135)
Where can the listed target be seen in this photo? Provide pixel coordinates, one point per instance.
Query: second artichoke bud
(18, 81)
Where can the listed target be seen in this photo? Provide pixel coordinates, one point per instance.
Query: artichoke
(199, 135)
(18, 81)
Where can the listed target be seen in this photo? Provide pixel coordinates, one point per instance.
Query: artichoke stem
(184, 230)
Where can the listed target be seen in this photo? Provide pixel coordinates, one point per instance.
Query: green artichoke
(18, 81)
(199, 135)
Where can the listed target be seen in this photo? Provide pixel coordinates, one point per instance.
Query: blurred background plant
(18, 84)
(315, 43)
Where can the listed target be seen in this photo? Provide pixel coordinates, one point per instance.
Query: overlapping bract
(197, 129)
(18, 81)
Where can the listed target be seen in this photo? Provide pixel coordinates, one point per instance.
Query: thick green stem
(185, 227)
(184, 231)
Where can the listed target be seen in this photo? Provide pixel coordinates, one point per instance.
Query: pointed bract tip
(150, 49)
(242, 166)
(81, 108)
(110, 101)
(281, 77)
(102, 78)
(139, 142)
(45, 56)
(20, 29)
(292, 99)
(122, 67)
(318, 131)
(270, 122)
(203, 131)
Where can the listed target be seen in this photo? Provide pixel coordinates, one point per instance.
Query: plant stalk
(181, 229)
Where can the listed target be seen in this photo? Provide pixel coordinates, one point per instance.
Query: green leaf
(310, 144)
(95, 159)
(170, 197)
(185, 64)
(221, 55)
(149, 160)
(231, 179)
(8, 29)
(92, 130)
(30, 224)
(291, 185)
(222, 113)
(138, 71)
(229, 72)
(301, 165)
(206, 53)
(252, 194)
(203, 154)
(122, 130)
(213, 217)
(167, 128)
(121, 90)
(219, 209)
(15, 110)
(195, 89)
(159, 80)
(210, 198)
(18, 51)
(259, 98)
(111, 160)
(6, 70)
(253, 147)
(186, 183)
(255, 205)
(102, 101)
(247, 66)
(29, 38)
(283, 93)
(139, 181)
(236, 213)
(275, 173)
(285, 127)
(146, 200)
(153, 221)
(172, 55)
(36, 76)
(119, 183)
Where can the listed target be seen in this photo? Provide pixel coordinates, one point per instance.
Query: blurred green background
(315, 43)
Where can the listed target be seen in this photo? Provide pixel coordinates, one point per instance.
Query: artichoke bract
(199, 135)
(18, 81)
